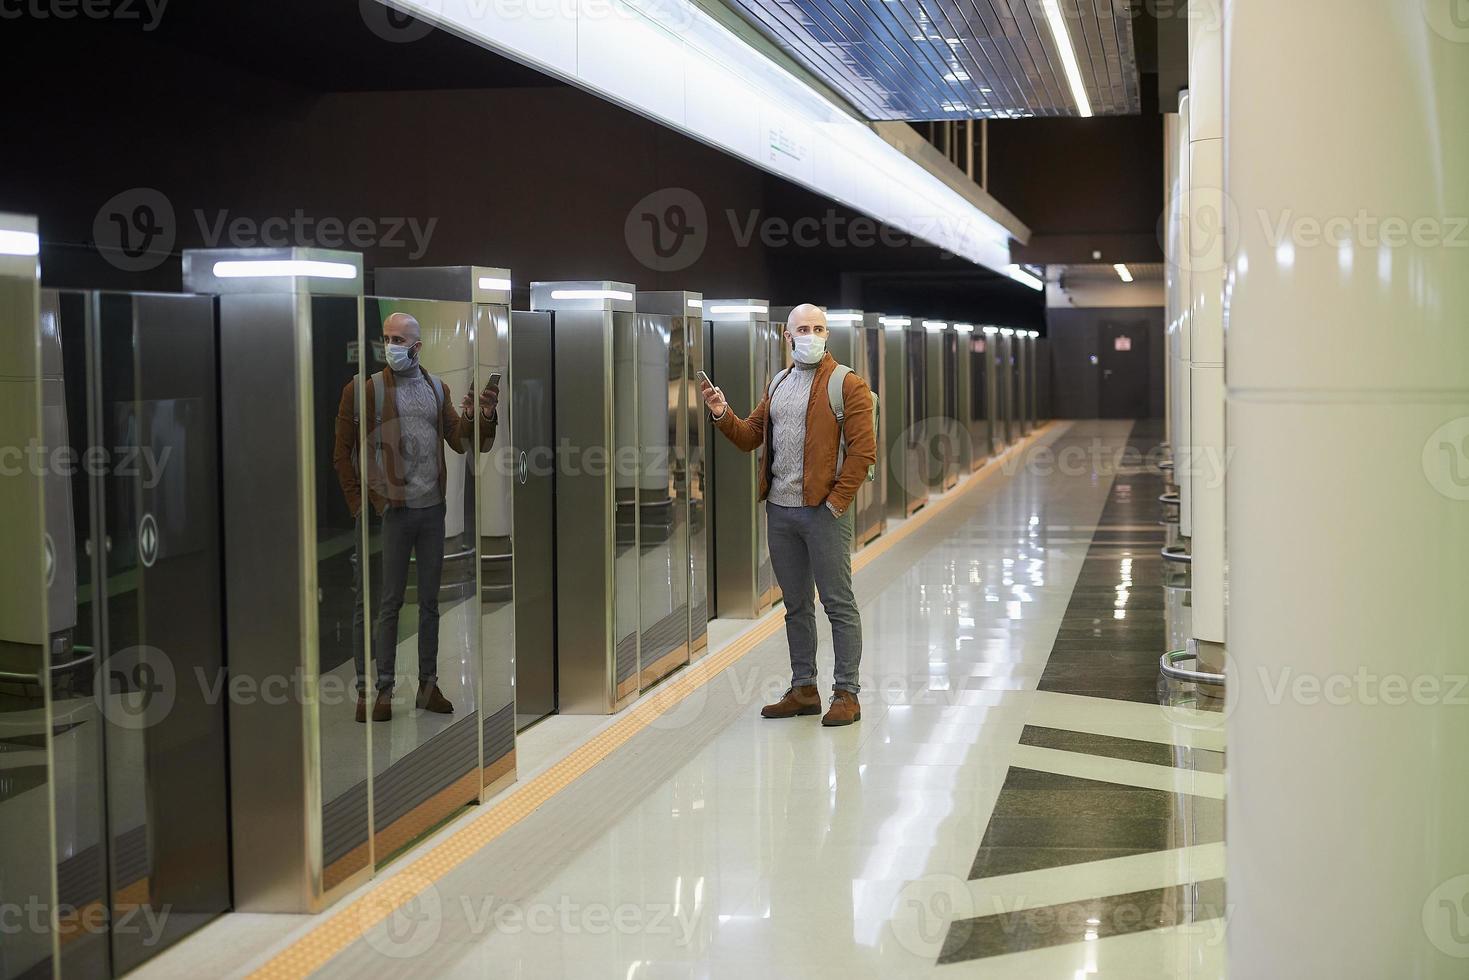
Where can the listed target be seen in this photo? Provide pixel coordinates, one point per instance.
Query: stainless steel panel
(289, 346)
(516, 604)
(688, 439)
(964, 398)
(941, 436)
(1032, 393)
(875, 349)
(907, 408)
(426, 765)
(663, 526)
(976, 353)
(992, 389)
(741, 358)
(140, 373)
(496, 481)
(72, 415)
(597, 583)
(532, 390)
(27, 848)
(856, 340)
(1004, 388)
(1022, 376)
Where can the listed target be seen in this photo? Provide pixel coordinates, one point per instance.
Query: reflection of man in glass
(409, 412)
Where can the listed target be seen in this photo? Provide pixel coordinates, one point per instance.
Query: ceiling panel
(957, 59)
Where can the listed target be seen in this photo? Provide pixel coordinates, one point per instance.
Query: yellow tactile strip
(344, 925)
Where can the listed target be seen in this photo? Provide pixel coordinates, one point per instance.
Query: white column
(1170, 274)
(1206, 237)
(1347, 163)
(1182, 374)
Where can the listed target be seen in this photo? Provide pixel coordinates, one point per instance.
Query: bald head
(806, 315)
(401, 328)
(806, 333)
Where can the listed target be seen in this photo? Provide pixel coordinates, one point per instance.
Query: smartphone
(705, 378)
(494, 381)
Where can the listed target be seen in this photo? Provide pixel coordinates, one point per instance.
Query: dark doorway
(1123, 391)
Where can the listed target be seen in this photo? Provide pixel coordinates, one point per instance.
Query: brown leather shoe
(430, 698)
(361, 708)
(844, 710)
(804, 700)
(382, 708)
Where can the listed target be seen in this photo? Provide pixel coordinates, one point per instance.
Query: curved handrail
(1166, 665)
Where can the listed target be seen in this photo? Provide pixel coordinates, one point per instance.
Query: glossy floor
(1018, 799)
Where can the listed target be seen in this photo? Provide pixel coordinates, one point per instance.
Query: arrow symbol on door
(148, 541)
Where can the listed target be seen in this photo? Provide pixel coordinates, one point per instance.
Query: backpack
(838, 399)
(379, 389)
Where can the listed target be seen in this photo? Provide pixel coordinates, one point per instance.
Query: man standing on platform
(813, 465)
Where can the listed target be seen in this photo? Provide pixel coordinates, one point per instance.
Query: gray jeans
(406, 532)
(811, 546)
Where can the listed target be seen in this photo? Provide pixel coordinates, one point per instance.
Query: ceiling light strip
(1056, 20)
(283, 268)
(674, 63)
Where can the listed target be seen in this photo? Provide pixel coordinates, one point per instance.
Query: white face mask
(400, 357)
(810, 348)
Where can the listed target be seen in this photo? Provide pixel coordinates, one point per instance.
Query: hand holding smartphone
(713, 397)
(489, 399)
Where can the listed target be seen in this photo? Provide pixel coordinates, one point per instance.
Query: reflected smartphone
(705, 378)
(494, 381)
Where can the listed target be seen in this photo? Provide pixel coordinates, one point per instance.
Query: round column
(1347, 331)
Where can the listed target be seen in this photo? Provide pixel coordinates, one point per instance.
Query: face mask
(810, 348)
(400, 357)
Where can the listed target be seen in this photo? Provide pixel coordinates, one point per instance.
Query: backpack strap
(838, 399)
(836, 394)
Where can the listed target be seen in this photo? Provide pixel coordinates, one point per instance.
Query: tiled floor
(1016, 801)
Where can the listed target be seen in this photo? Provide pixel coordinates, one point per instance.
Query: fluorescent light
(843, 317)
(1006, 332)
(964, 327)
(991, 330)
(935, 325)
(675, 63)
(1034, 334)
(895, 321)
(485, 282)
(590, 294)
(697, 304)
(20, 243)
(1021, 276)
(738, 309)
(1123, 272)
(276, 268)
(1062, 37)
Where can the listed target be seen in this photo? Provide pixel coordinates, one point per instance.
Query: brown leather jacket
(820, 481)
(386, 489)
